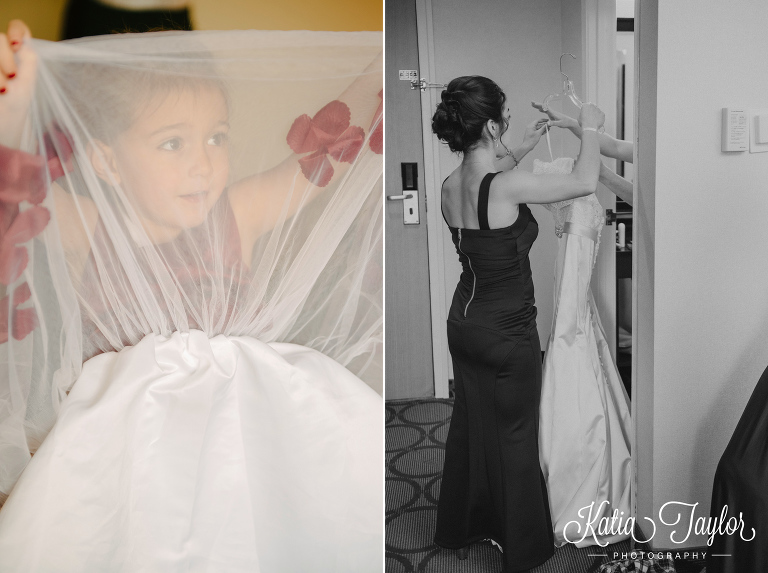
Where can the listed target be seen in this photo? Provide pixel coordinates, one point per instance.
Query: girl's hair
(467, 104)
(109, 106)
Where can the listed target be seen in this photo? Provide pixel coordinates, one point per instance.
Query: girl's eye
(218, 139)
(172, 144)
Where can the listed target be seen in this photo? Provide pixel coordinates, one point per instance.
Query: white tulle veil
(111, 230)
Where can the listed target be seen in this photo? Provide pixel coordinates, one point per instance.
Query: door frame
(437, 298)
(598, 58)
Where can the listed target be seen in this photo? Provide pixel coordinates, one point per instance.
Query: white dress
(195, 454)
(193, 406)
(584, 427)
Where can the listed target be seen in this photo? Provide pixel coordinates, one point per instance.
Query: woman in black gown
(492, 485)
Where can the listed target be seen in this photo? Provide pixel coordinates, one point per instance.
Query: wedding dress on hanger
(191, 325)
(584, 425)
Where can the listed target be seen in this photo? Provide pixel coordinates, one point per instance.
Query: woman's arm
(258, 201)
(616, 184)
(524, 187)
(609, 146)
(531, 137)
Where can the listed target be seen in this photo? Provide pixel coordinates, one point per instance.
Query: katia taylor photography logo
(596, 524)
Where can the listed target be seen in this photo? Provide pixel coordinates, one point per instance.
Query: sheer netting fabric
(187, 184)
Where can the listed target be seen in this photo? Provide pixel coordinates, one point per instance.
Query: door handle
(423, 84)
(410, 206)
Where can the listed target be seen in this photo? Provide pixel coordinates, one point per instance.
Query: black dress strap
(442, 212)
(482, 200)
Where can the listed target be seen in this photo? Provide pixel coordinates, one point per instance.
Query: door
(408, 324)
(518, 45)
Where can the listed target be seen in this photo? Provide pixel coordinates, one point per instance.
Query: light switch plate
(754, 146)
(735, 131)
(761, 125)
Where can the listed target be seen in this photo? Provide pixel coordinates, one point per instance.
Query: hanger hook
(561, 64)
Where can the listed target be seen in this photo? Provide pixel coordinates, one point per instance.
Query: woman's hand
(591, 117)
(533, 133)
(18, 65)
(557, 119)
(609, 146)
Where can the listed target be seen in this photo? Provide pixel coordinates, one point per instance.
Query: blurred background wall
(44, 16)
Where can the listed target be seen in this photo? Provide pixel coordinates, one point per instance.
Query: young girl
(177, 292)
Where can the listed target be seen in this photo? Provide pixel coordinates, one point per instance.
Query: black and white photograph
(575, 310)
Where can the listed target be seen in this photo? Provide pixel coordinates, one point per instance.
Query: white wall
(704, 303)
(625, 8)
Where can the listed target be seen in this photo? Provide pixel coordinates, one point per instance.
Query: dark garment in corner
(741, 483)
(92, 18)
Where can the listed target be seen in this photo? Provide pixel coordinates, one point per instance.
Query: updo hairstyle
(467, 104)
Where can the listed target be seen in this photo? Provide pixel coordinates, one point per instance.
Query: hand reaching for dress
(533, 133)
(557, 119)
(531, 137)
(17, 77)
(609, 146)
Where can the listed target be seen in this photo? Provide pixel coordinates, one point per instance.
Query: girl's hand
(557, 119)
(533, 133)
(18, 65)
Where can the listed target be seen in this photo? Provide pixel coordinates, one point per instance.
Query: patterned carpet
(415, 442)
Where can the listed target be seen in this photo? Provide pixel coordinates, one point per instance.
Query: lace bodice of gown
(585, 211)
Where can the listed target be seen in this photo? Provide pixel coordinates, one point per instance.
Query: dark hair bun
(467, 103)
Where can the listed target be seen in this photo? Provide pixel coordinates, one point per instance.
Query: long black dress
(741, 484)
(492, 485)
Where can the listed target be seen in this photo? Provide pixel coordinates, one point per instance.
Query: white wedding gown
(584, 426)
(194, 454)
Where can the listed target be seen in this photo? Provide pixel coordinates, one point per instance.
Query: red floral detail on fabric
(23, 227)
(23, 320)
(21, 294)
(317, 169)
(13, 261)
(327, 133)
(23, 178)
(376, 141)
(58, 152)
(27, 224)
(348, 145)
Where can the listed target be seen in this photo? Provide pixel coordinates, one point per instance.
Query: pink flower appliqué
(327, 133)
(22, 178)
(376, 140)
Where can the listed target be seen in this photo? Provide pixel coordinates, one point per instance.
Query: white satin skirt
(585, 428)
(195, 454)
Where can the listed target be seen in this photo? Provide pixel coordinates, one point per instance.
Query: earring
(495, 141)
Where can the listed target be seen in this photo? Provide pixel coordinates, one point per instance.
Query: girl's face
(173, 160)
